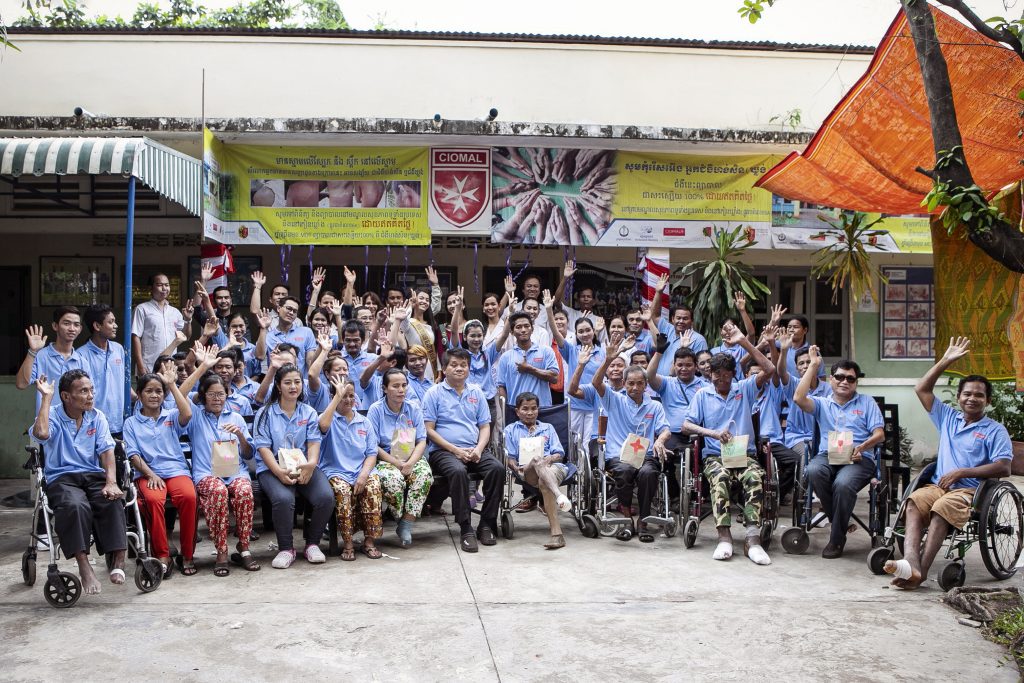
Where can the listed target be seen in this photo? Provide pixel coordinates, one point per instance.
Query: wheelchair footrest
(616, 520)
(660, 521)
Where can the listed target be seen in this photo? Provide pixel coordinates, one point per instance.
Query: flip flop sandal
(348, 554)
(372, 553)
(167, 569)
(646, 537)
(188, 568)
(221, 569)
(245, 561)
(624, 534)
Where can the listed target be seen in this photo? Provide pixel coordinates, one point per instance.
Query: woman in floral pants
(347, 456)
(401, 441)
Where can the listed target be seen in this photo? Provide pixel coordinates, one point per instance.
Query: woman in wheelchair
(971, 447)
(545, 470)
(401, 442)
(722, 415)
(152, 443)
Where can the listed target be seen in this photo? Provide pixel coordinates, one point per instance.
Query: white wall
(290, 76)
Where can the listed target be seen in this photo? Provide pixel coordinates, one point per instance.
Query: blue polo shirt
(626, 417)
(106, 369)
(321, 398)
(456, 418)
(298, 335)
(860, 415)
(49, 362)
(711, 410)
(157, 442)
(346, 446)
(418, 387)
(273, 429)
(203, 429)
(515, 382)
(736, 351)
(697, 343)
(248, 390)
(571, 355)
(967, 445)
(768, 406)
(643, 342)
(517, 431)
(800, 425)
(72, 449)
(253, 365)
(385, 421)
(483, 369)
(356, 366)
(791, 362)
(676, 398)
(590, 394)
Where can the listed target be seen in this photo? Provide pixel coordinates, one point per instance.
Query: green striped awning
(174, 175)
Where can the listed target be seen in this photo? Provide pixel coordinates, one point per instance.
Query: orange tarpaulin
(863, 156)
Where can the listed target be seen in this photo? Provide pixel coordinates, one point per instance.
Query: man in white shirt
(155, 324)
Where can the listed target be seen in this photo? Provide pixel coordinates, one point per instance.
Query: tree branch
(925, 172)
(987, 30)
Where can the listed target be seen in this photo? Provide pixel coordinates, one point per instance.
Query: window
(800, 293)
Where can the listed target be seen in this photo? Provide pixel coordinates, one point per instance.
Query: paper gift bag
(225, 458)
(840, 448)
(403, 439)
(529, 448)
(734, 453)
(290, 459)
(634, 450)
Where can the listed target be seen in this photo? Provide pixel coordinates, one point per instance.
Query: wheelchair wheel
(606, 529)
(590, 527)
(952, 575)
(690, 532)
(878, 557)
(28, 567)
(508, 527)
(795, 541)
(148, 575)
(670, 529)
(66, 594)
(999, 528)
(766, 535)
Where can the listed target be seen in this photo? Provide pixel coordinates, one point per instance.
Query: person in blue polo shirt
(284, 426)
(81, 476)
(851, 426)
(54, 359)
(721, 414)
(104, 360)
(289, 330)
(353, 334)
(800, 425)
(971, 447)
(459, 426)
(635, 423)
(526, 366)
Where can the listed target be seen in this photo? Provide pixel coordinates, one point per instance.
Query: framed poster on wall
(76, 280)
(142, 291)
(908, 314)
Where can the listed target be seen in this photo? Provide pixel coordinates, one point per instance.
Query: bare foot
(91, 585)
(907, 577)
(852, 528)
(557, 541)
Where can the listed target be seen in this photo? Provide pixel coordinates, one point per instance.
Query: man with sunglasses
(850, 425)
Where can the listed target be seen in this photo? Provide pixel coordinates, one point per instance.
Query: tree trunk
(850, 306)
(1004, 243)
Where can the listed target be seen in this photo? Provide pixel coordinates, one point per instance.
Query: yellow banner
(911, 234)
(261, 194)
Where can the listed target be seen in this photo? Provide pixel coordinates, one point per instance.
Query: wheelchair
(63, 589)
(996, 522)
(796, 540)
(694, 490)
(576, 483)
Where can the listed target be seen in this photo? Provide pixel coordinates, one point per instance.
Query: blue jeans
(836, 487)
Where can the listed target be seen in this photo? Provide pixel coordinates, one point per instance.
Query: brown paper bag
(225, 458)
(840, 448)
(734, 453)
(634, 450)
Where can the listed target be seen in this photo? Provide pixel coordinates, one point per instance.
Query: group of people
(355, 404)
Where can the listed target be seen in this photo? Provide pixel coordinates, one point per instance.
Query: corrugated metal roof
(464, 36)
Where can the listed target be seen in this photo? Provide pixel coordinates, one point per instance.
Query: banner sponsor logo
(460, 189)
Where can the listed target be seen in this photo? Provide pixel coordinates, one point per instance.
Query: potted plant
(718, 278)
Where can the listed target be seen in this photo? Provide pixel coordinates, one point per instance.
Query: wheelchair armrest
(33, 457)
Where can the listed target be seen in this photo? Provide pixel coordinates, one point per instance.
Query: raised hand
(338, 383)
(205, 355)
(460, 298)
(687, 339)
(43, 387)
(319, 273)
(814, 353)
(263, 319)
(36, 338)
(336, 309)
(777, 312)
(404, 311)
(585, 354)
(569, 270)
(386, 347)
(432, 275)
(350, 276)
(958, 348)
(277, 360)
(598, 325)
(785, 338)
(770, 333)
(629, 342)
(645, 314)
(201, 290)
(258, 279)
(662, 282)
(614, 345)
(510, 285)
(740, 299)
(169, 375)
(210, 327)
(324, 342)
(187, 310)
(548, 299)
(206, 272)
(732, 334)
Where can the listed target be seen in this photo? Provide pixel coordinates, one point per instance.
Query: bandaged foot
(563, 503)
(907, 577)
(723, 551)
(757, 554)
(117, 576)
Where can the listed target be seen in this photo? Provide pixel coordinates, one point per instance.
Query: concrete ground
(596, 610)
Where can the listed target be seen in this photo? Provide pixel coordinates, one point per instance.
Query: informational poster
(796, 226)
(262, 194)
(612, 198)
(908, 314)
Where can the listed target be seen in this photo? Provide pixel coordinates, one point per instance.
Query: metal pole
(129, 257)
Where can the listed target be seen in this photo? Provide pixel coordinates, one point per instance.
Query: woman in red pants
(151, 441)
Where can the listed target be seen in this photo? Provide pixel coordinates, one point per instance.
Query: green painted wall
(16, 414)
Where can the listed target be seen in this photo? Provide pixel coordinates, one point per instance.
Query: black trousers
(80, 509)
(626, 476)
(786, 459)
(456, 473)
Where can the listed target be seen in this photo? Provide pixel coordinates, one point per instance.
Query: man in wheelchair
(971, 447)
(81, 475)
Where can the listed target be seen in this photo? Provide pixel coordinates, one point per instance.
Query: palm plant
(846, 263)
(719, 278)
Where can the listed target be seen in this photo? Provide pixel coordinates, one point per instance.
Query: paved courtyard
(596, 610)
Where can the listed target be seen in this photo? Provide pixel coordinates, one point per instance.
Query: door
(15, 288)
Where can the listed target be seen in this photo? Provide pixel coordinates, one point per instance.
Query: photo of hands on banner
(347, 194)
